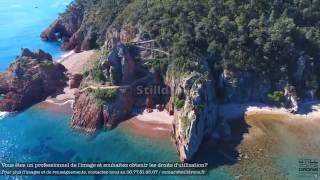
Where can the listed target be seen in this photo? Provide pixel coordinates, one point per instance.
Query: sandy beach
(261, 132)
(76, 62)
(309, 110)
(269, 133)
(154, 125)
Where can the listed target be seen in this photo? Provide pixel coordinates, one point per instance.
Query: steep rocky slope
(29, 80)
(209, 53)
(83, 25)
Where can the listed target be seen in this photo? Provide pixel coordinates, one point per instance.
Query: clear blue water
(39, 135)
(21, 24)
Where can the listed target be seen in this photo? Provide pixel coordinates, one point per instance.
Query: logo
(308, 168)
(152, 90)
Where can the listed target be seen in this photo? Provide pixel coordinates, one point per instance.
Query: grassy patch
(180, 103)
(275, 96)
(104, 95)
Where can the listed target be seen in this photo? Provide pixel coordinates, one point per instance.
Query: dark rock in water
(29, 80)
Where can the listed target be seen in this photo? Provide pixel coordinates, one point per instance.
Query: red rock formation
(29, 80)
(67, 28)
(117, 111)
(87, 115)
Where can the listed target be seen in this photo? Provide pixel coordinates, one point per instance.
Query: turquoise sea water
(39, 135)
(21, 23)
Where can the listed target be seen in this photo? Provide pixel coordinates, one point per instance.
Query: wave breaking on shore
(4, 114)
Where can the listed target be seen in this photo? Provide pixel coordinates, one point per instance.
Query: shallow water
(286, 141)
(38, 135)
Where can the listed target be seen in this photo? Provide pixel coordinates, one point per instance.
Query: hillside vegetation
(265, 38)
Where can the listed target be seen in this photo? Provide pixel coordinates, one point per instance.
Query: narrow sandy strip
(76, 62)
(159, 117)
(309, 110)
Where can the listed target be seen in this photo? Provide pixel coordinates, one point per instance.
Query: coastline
(270, 133)
(307, 110)
(154, 125)
(75, 63)
(158, 125)
(3, 114)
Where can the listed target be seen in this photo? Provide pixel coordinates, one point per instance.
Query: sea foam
(3, 114)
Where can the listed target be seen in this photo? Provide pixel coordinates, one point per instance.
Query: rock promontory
(30, 79)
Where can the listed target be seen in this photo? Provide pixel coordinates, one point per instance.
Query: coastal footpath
(200, 51)
(208, 56)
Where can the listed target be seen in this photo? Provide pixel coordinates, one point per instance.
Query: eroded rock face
(119, 65)
(68, 28)
(244, 89)
(29, 80)
(126, 34)
(118, 110)
(197, 117)
(87, 115)
(91, 114)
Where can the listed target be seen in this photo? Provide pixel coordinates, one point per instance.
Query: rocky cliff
(30, 79)
(195, 112)
(83, 25)
(208, 54)
(96, 109)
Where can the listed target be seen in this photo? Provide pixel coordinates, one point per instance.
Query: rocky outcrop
(119, 66)
(127, 33)
(87, 115)
(29, 80)
(196, 117)
(242, 88)
(116, 111)
(68, 28)
(91, 113)
(84, 24)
